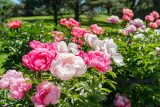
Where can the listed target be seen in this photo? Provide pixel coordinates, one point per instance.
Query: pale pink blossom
(47, 93)
(38, 59)
(123, 32)
(67, 65)
(14, 24)
(96, 29)
(78, 32)
(131, 28)
(65, 22)
(149, 18)
(158, 22)
(113, 19)
(155, 14)
(9, 77)
(99, 60)
(15, 83)
(121, 101)
(61, 47)
(153, 25)
(18, 89)
(137, 23)
(73, 22)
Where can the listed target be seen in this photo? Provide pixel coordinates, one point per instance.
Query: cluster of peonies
(69, 23)
(15, 83)
(113, 19)
(127, 14)
(14, 24)
(153, 19)
(121, 101)
(133, 26)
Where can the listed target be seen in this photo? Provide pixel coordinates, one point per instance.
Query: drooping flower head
(47, 93)
(14, 24)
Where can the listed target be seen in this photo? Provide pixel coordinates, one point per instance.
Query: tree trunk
(55, 15)
(76, 10)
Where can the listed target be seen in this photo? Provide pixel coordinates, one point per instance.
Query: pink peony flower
(16, 84)
(65, 22)
(73, 22)
(96, 29)
(9, 77)
(121, 101)
(36, 44)
(149, 18)
(113, 19)
(67, 65)
(47, 93)
(78, 32)
(153, 25)
(155, 14)
(137, 23)
(14, 24)
(99, 60)
(38, 59)
(128, 12)
(58, 36)
(18, 89)
(131, 29)
(126, 17)
(158, 22)
(123, 32)
(61, 47)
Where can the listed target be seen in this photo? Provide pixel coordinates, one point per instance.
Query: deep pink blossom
(153, 25)
(96, 29)
(47, 93)
(73, 22)
(14, 24)
(121, 101)
(38, 59)
(78, 32)
(64, 22)
(149, 18)
(99, 60)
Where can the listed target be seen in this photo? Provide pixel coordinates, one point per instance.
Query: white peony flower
(67, 65)
(61, 47)
(73, 48)
(139, 35)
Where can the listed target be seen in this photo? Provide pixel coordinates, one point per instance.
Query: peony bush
(75, 66)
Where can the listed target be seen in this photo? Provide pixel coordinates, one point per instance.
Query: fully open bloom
(137, 23)
(14, 24)
(127, 14)
(38, 59)
(131, 28)
(149, 18)
(47, 93)
(64, 22)
(113, 19)
(15, 83)
(155, 14)
(99, 60)
(18, 89)
(73, 22)
(121, 101)
(67, 65)
(96, 29)
(153, 25)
